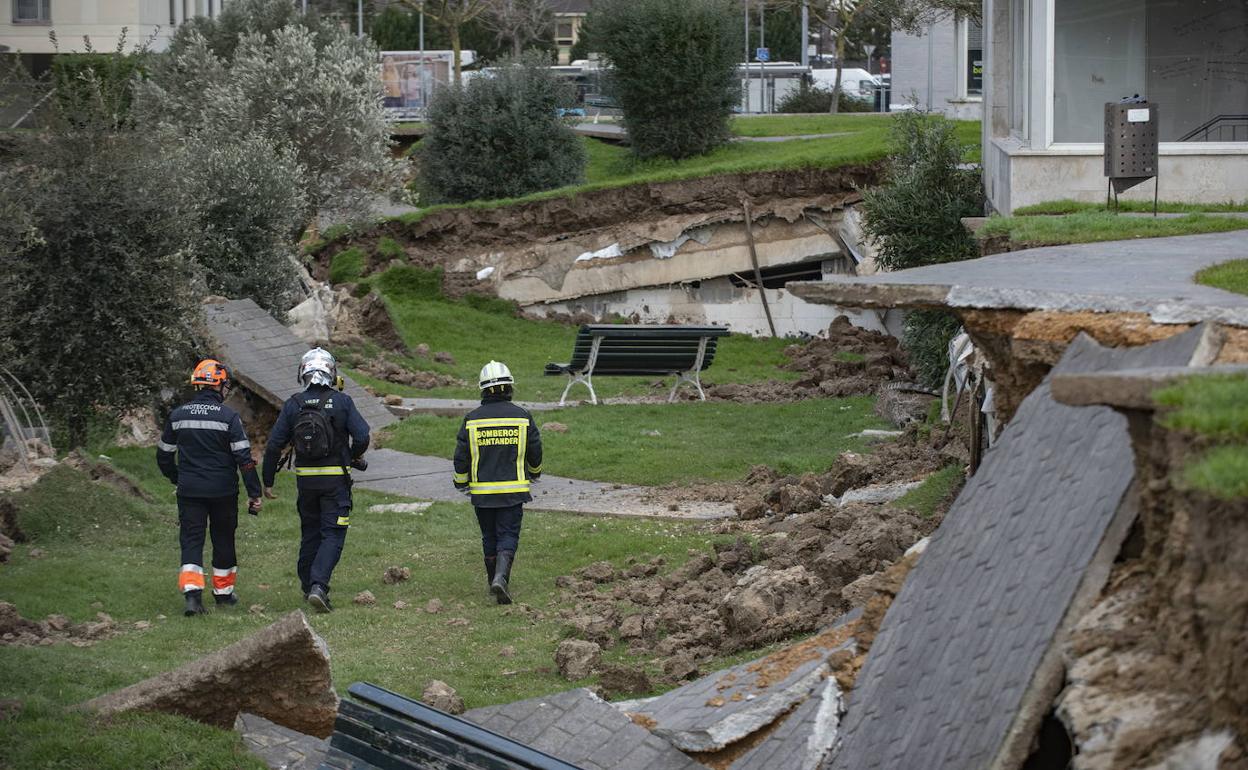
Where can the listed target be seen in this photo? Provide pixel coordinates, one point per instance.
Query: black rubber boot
(502, 576)
(318, 597)
(490, 563)
(194, 604)
(226, 600)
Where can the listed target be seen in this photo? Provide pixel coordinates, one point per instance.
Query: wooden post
(758, 274)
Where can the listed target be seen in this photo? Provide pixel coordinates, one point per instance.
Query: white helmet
(318, 367)
(495, 373)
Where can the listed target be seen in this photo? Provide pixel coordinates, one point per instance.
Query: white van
(857, 83)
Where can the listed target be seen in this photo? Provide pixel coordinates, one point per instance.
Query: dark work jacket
(350, 439)
(204, 447)
(497, 452)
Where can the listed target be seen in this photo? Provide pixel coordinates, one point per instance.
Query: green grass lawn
(696, 441)
(1214, 407)
(1231, 276)
(935, 489)
(474, 331)
(1067, 206)
(112, 553)
(1090, 226)
(863, 140)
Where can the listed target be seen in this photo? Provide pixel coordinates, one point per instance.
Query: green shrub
(810, 97)
(500, 136)
(347, 266)
(915, 219)
(388, 248)
(673, 71)
(101, 82)
(915, 216)
(926, 340)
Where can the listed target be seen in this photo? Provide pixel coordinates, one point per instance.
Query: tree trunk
(516, 45)
(840, 62)
(280, 673)
(455, 48)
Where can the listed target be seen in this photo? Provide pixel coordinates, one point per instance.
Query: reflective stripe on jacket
(204, 448)
(351, 437)
(497, 452)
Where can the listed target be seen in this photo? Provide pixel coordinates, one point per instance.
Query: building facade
(1053, 64)
(25, 24)
(940, 69)
(569, 18)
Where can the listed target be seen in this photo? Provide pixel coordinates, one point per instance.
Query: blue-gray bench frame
(386, 731)
(624, 350)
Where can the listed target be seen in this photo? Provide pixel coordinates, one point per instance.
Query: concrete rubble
(280, 673)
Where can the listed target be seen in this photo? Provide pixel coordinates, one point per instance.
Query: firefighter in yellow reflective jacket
(497, 454)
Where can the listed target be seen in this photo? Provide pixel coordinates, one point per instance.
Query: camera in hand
(360, 464)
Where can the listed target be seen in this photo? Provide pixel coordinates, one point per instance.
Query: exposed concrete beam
(1128, 388)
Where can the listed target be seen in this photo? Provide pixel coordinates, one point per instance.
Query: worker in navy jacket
(497, 453)
(202, 451)
(329, 437)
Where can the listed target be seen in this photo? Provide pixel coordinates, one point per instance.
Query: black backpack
(314, 433)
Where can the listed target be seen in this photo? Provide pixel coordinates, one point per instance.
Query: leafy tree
(93, 276)
(915, 218)
(237, 18)
(584, 44)
(674, 70)
(500, 136)
(319, 102)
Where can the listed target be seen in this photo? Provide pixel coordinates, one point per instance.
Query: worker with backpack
(329, 438)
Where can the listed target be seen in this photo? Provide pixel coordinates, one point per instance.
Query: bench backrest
(386, 731)
(641, 348)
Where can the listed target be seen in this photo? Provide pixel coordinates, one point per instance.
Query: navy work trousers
(500, 528)
(324, 515)
(217, 515)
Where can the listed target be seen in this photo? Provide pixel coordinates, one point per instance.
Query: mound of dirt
(17, 631)
(383, 369)
(795, 575)
(849, 361)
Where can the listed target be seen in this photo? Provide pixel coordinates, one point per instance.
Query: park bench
(637, 351)
(381, 730)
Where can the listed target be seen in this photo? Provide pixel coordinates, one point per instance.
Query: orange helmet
(211, 373)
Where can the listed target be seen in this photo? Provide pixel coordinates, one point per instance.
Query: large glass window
(972, 58)
(32, 11)
(1188, 56)
(1020, 67)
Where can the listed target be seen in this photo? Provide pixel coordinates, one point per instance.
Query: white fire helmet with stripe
(495, 373)
(318, 367)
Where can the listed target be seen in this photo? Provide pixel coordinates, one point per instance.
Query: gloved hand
(360, 464)
(464, 490)
(254, 505)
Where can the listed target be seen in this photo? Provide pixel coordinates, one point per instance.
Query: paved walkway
(1148, 275)
(279, 747)
(429, 478)
(458, 407)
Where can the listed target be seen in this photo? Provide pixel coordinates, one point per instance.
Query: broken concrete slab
(280, 672)
(458, 407)
(1126, 389)
(264, 356)
(429, 478)
(280, 747)
(805, 736)
(876, 493)
(964, 665)
(1149, 275)
(724, 707)
(581, 728)
(400, 507)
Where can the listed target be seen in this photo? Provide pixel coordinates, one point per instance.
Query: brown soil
(383, 369)
(17, 631)
(443, 234)
(849, 361)
(791, 573)
(1161, 659)
(107, 474)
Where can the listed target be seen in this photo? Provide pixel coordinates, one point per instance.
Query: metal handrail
(1208, 126)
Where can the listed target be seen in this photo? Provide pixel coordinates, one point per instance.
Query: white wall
(100, 20)
(911, 55)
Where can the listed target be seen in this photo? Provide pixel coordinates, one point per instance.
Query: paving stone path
(429, 478)
(279, 747)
